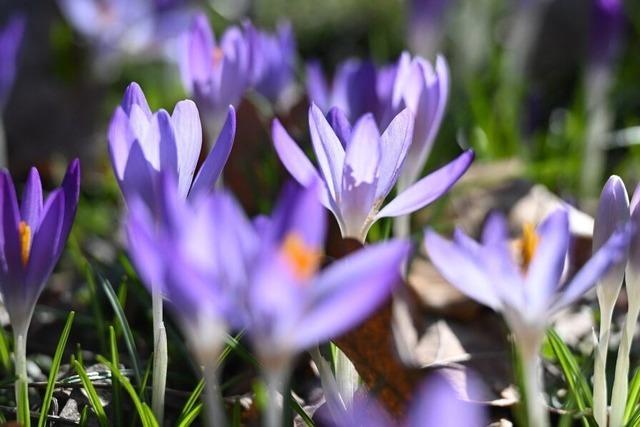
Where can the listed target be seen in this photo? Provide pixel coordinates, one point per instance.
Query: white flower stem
(213, 399)
(22, 381)
(347, 377)
(600, 364)
(160, 358)
(276, 379)
(329, 385)
(402, 226)
(536, 413)
(621, 381)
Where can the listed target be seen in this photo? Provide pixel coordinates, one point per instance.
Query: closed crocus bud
(613, 212)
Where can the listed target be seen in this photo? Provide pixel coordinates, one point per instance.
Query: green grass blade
(5, 352)
(96, 307)
(192, 401)
(94, 400)
(124, 325)
(190, 417)
(576, 382)
(145, 415)
(633, 396)
(55, 367)
(300, 411)
(115, 360)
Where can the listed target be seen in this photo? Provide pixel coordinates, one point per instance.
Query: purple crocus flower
(143, 143)
(10, 39)
(354, 89)
(359, 167)
(527, 292)
(607, 22)
(424, 89)
(34, 233)
(127, 27)
(272, 61)
(217, 74)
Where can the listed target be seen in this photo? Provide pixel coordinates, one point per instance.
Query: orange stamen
(304, 260)
(528, 245)
(25, 241)
(217, 55)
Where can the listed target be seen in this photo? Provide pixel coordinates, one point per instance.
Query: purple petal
(613, 210)
(188, 129)
(340, 124)
(463, 268)
(196, 66)
(360, 177)
(438, 405)
(354, 88)
(143, 245)
(328, 149)
(31, 204)
(317, 87)
(163, 134)
(10, 220)
(217, 158)
(607, 256)
(395, 143)
(429, 188)
(138, 177)
(71, 188)
(349, 290)
(44, 247)
(120, 138)
(547, 265)
(133, 95)
(10, 40)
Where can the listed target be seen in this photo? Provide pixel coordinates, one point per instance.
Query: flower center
(25, 241)
(217, 55)
(303, 259)
(528, 245)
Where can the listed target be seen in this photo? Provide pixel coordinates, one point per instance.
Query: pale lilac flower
(426, 19)
(272, 61)
(10, 40)
(34, 234)
(359, 167)
(129, 28)
(217, 74)
(143, 143)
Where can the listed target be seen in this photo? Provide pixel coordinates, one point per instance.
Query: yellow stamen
(217, 55)
(25, 241)
(528, 245)
(303, 259)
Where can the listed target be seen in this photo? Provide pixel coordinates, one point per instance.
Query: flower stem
(621, 381)
(276, 379)
(600, 364)
(159, 358)
(22, 381)
(347, 376)
(215, 411)
(536, 413)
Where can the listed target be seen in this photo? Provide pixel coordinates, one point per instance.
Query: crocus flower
(129, 28)
(217, 74)
(436, 404)
(359, 167)
(607, 22)
(424, 89)
(354, 88)
(219, 269)
(526, 291)
(10, 39)
(426, 18)
(143, 143)
(34, 233)
(272, 61)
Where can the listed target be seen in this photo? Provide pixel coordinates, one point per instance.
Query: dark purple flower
(359, 167)
(607, 22)
(217, 74)
(34, 234)
(10, 40)
(143, 144)
(272, 61)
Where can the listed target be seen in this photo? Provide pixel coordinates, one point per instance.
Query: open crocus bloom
(142, 144)
(34, 233)
(359, 167)
(217, 74)
(217, 267)
(10, 39)
(526, 291)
